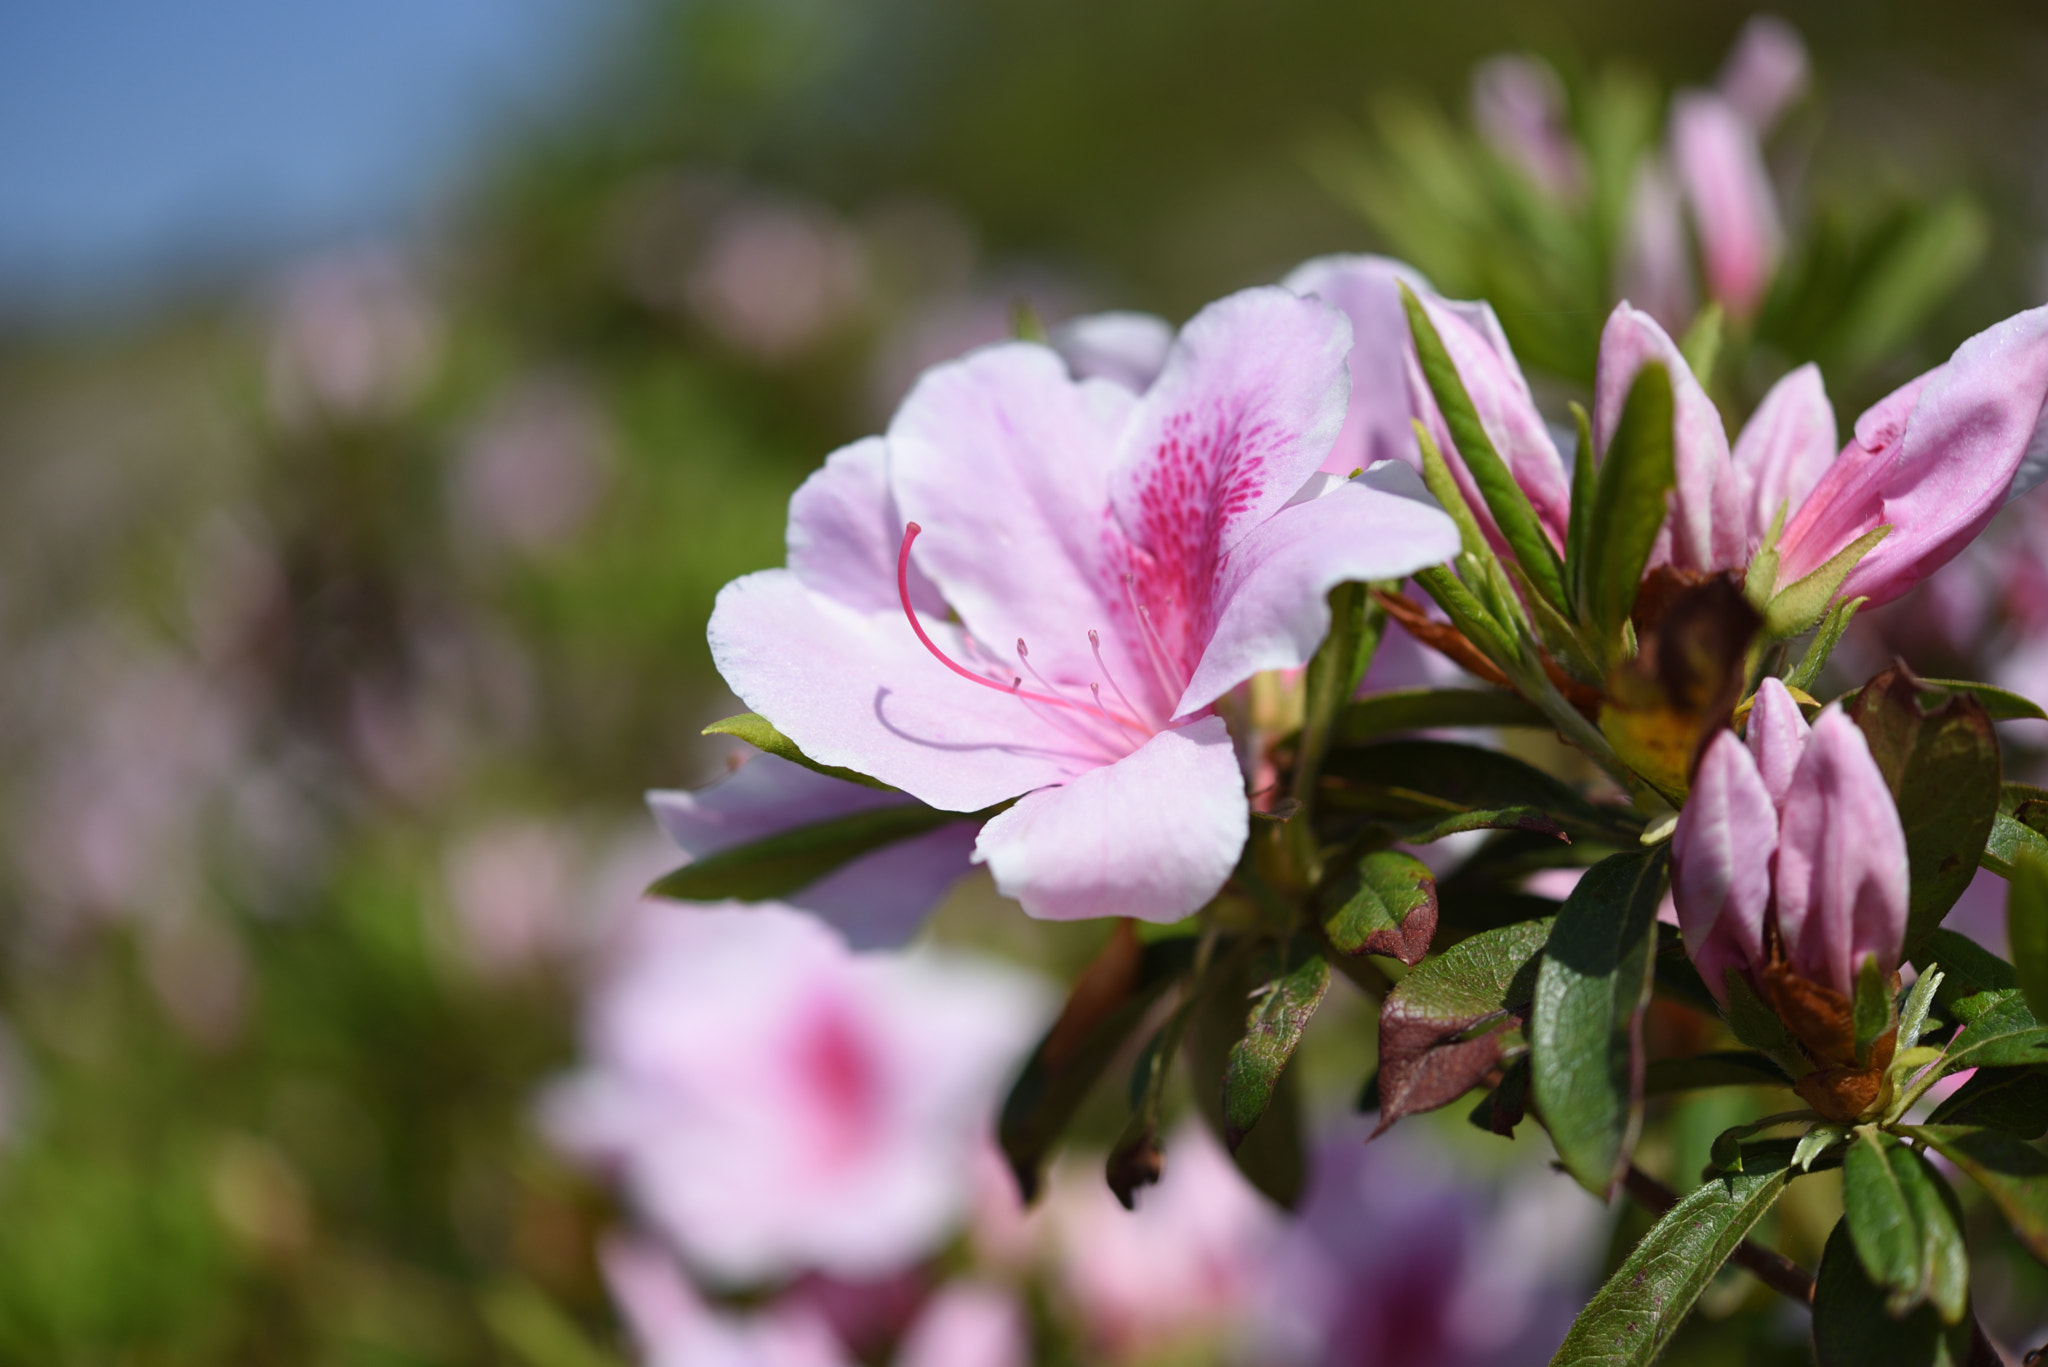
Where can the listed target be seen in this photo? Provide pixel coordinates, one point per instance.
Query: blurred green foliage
(267, 1094)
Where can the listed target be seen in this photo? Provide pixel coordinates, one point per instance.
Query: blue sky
(144, 141)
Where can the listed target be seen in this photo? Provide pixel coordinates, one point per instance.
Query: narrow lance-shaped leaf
(788, 861)
(2026, 922)
(1628, 509)
(1851, 1327)
(1585, 480)
(1356, 622)
(1511, 509)
(1421, 709)
(2013, 1173)
(2000, 704)
(1427, 781)
(1450, 1022)
(1280, 1011)
(1585, 1026)
(1631, 1319)
(1825, 638)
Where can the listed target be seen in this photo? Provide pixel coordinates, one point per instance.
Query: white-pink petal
(844, 532)
(1721, 862)
(1154, 835)
(1784, 449)
(1367, 289)
(1777, 736)
(1128, 349)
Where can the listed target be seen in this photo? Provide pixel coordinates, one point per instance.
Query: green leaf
(789, 861)
(1421, 709)
(1388, 907)
(757, 731)
(1851, 1327)
(1280, 1011)
(1630, 1320)
(2010, 840)
(1105, 1007)
(1356, 622)
(1967, 968)
(2013, 1173)
(1729, 1068)
(1905, 1228)
(1271, 1157)
(2026, 922)
(1801, 605)
(1941, 764)
(1510, 506)
(1584, 481)
(2011, 1099)
(1822, 646)
(1137, 1158)
(1701, 345)
(1913, 1016)
(1428, 782)
(1501, 1109)
(1443, 487)
(1628, 509)
(1585, 1027)
(2000, 704)
(1998, 1030)
(1274, 1156)
(1451, 1021)
(1817, 1140)
(1915, 268)
(1873, 1006)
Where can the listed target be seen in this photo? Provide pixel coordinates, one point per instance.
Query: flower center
(1115, 727)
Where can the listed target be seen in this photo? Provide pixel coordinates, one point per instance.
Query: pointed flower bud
(1722, 168)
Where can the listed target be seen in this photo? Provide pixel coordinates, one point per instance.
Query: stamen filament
(1024, 654)
(1095, 644)
(910, 531)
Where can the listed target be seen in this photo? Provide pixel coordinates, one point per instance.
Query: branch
(1774, 1270)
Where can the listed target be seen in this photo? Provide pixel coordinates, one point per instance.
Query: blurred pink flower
(1766, 71)
(672, 1326)
(1721, 166)
(1184, 1266)
(354, 336)
(511, 887)
(534, 467)
(774, 277)
(774, 1103)
(1656, 260)
(876, 901)
(1149, 548)
(968, 1324)
(1518, 104)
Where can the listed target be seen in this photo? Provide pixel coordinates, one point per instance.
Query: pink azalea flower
(774, 1103)
(875, 901)
(1721, 166)
(1795, 824)
(1117, 562)
(1656, 259)
(968, 1324)
(1933, 461)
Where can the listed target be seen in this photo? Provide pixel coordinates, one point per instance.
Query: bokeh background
(386, 390)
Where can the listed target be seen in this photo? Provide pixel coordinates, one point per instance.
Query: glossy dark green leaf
(2013, 1173)
(1274, 1156)
(2011, 840)
(1585, 1025)
(1631, 1319)
(2011, 1099)
(1728, 1068)
(1510, 506)
(1421, 709)
(1450, 1022)
(1636, 474)
(1997, 1030)
(1941, 763)
(1967, 968)
(1386, 904)
(1852, 1329)
(789, 861)
(1905, 1228)
(1271, 1157)
(2026, 926)
(1105, 1007)
(2000, 704)
(1280, 1011)
(1422, 783)
(757, 731)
